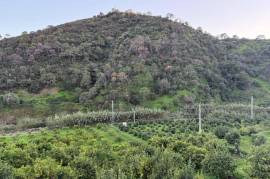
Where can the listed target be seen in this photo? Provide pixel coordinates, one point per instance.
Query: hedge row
(89, 118)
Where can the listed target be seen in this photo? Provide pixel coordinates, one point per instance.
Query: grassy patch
(245, 144)
(103, 132)
(264, 85)
(169, 102)
(46, 98)
(263, 129)
(243, 168)
(47, 102)
(163, 102)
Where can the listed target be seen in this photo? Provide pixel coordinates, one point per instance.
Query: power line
(200, 119)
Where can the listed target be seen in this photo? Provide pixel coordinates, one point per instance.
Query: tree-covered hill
(137, 61)
(134, 59)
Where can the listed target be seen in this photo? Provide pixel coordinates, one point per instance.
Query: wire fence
(188, 111)
(245, 111)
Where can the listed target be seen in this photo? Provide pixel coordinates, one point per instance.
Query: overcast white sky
(245, 18)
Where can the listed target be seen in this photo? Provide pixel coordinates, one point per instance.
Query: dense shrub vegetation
(238, 133)
(142, 149)
(128, 57)
(54, 77)
(135, 59)
(170, 147)
(103, 151)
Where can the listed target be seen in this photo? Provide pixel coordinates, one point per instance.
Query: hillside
(181, 102)
(131, 58)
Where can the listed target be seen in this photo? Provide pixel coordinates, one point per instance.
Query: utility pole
(200, 119)
(251, 108)
(112, 111)
(134, 116)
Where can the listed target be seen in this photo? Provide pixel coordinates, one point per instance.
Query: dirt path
(20, 132)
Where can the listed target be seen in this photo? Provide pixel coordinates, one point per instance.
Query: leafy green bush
(219, 164)
(166, 165)
(258, 140)
(233, 137)
(260, 162)
(49, 168)
(252, 130)
(15, 156)
(6, 171)
(84, 168)
(221, 131)
(243, 131)
(10, 99)
(187, 172)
